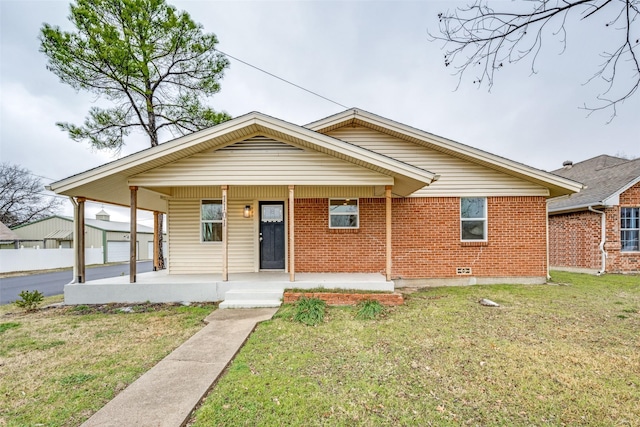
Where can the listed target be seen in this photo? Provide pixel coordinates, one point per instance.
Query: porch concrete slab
(162, 287)
(166, 395)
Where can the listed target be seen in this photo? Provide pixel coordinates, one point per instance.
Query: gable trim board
(408, 211)
(407, 178)
(557, 185)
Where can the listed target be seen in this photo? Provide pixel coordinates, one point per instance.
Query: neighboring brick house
(352, 194)
(597, 230)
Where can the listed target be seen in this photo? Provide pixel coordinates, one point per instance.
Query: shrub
(309, 311)
(29, 300)
(369, 309)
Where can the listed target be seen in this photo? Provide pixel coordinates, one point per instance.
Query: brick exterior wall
(323, 250)
(574, 238)
(425, 239)
(618, 261)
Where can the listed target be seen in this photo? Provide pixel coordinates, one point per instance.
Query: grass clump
(369, 309)
(310, 311)
(8, 325)
(29, 300)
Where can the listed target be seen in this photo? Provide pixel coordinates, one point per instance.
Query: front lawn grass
(58, 366)
(562, 354)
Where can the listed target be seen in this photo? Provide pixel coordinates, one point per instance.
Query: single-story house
(57, 232)
(351, 200)
(597, 230)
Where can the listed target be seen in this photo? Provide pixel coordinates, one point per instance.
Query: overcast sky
(372, 55)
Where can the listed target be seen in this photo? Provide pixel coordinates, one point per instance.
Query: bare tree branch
(480, 37)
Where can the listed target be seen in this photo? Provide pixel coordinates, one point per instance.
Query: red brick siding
(631, 197)
(426, 238)
(324, 250)
(618, 261)
(574, 240)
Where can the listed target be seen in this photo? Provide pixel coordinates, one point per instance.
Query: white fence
(29, 259)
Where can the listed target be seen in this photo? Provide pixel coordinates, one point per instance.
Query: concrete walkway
(166, 394)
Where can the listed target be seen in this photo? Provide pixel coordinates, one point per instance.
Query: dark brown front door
(272, 236)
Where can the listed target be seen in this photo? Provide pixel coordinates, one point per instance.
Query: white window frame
(356, 213)
(636, 229)
(484, 220)
(212, 221)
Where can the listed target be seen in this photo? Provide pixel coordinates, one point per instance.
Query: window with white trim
(630, 229)
(344, 213)
(473, 218)
(211, 221)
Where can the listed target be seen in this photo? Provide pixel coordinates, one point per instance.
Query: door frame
(258, 220)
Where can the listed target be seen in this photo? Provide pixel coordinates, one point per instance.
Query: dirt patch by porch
(340, 298)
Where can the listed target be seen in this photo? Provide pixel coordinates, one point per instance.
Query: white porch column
(156, 240)
(225, 236)
(387, 195)
(133, 233)
(292, 245)
(79, 240)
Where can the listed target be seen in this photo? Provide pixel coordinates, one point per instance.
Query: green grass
(309, 311)
(58, 366)
(562, 354)
(369, 309)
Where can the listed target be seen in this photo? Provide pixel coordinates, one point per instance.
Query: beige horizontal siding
(457, 177)
(274, 166)
(188, 255)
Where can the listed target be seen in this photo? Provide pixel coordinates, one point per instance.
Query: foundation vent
(463, 270)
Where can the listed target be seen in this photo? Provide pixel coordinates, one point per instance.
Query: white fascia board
(237, 124)
(450, 145)
(152, 153)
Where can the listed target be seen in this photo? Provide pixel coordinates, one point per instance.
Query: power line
(280, 78)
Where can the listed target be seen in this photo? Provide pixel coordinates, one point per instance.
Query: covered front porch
(261, 289)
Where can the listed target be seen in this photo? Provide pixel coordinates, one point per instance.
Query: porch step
(249, 303)
(252, 298)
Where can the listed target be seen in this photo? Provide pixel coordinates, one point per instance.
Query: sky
(373, 55)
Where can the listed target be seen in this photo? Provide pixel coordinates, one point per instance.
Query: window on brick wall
(473, 218)
(344, 213)
(211, 221)
(630, 229)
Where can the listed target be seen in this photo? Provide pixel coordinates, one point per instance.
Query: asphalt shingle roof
(603, 175)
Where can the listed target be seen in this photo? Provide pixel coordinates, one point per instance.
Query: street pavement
(52, 283)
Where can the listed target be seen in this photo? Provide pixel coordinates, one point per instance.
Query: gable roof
(605, 177)
(110, 181)
(6, 234)
(557, 185)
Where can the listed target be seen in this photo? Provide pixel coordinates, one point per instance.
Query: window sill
(344, 230)
(474, 244)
